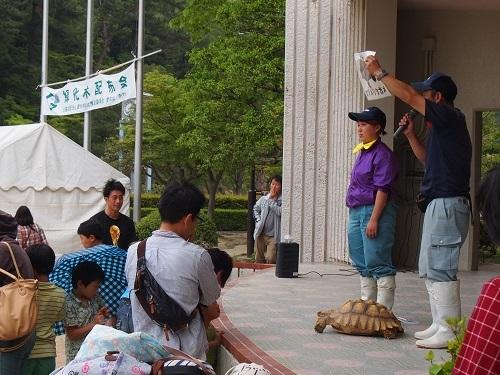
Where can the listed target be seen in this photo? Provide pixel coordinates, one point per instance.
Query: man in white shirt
(183, 270)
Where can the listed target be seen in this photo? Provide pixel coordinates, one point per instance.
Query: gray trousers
(446, 223)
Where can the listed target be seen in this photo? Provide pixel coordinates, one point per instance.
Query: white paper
(372, 88)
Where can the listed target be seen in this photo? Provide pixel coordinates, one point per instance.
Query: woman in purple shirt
(372, 212)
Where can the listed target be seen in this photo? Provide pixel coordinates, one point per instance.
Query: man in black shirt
(113, 196)
(446, 156)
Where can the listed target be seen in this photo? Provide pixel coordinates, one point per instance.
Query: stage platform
(270, 320)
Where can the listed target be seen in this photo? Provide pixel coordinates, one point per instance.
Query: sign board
(372, 88)
(102, 90)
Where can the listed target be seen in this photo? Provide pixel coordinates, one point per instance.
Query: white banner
(101, 91)
(372, 88)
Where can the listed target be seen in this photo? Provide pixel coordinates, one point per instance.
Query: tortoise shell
(359, 317)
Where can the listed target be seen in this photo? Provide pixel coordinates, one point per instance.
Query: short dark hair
(88, 228)
(446, 87)
(23, 216)
(42, 258)
(179, 200)
(86, 272)
(222, 262)
(276, 177)
(111, 185)
(489, 202)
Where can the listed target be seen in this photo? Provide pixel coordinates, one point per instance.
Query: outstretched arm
(408, 95)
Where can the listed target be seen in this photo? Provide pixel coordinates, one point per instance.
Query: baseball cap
(438, 82)
(370, 114)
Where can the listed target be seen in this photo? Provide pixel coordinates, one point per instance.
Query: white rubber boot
(385, 291)
(426, 333)
(447, 305)
(368, 288)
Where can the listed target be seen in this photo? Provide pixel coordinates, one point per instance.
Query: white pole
(89, 55)
(138, 115)
(45, 52)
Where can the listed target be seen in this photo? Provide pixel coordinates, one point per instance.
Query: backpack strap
(13, 261)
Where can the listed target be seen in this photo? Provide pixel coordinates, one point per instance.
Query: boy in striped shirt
(51, 302)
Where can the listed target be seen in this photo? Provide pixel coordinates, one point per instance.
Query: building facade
(412, 38)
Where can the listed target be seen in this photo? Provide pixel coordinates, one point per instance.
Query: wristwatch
(379, 74)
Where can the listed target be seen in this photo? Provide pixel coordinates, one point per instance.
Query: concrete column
(321, 87)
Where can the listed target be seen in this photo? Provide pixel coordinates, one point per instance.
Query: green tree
(235, 109)
(491, 141)
(164, 113)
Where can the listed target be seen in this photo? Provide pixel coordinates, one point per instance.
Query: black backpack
(159, 306)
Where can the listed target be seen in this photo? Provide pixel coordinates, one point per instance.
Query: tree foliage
(491, 141)
(115, 40)
(235, 85)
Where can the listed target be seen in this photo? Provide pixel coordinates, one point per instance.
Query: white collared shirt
(186, 273)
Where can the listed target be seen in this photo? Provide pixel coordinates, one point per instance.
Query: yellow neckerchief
(361, 146)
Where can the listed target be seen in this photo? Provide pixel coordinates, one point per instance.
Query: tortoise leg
(320, 325)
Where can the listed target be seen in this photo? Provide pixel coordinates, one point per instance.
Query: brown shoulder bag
(19, 307)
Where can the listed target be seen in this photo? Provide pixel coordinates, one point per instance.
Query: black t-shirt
(448, 152)
(126, 225)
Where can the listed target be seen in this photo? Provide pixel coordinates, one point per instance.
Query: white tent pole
(45, 52)
(138, 115)
(89, 55)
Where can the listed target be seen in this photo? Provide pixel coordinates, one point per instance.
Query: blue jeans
(13, 362)
(446, 223)
(124, 316)
(372, 257)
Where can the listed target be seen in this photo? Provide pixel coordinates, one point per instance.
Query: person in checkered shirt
(480, 350)
(28, 233)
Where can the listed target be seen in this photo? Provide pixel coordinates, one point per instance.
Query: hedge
(230, 219)
(145, 211)
(150, 200)
(205, 235)
(224, 220)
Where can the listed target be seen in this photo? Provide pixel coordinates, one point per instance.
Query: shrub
(205, 235)
(150, 200)
(231, 201)
(206, 232)
(147, 225)
(458, 326)
(230, 219)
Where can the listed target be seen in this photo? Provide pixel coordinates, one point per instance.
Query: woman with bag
(28, 233)
(14, 260)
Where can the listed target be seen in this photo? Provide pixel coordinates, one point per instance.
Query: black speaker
(287, 260)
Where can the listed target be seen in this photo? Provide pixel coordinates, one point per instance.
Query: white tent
(59, 181)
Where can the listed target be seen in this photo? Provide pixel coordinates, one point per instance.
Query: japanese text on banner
(100, 91)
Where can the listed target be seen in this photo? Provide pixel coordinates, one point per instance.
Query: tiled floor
(272, 319)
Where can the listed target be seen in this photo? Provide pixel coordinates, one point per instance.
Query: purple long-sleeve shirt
(375, 169)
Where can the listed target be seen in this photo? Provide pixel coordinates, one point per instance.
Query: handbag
(180, 363)
(159, 306)
(18, 303)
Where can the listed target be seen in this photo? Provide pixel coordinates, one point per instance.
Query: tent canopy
(56, 178)
(40, 157)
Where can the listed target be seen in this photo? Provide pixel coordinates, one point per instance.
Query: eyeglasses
(199, 218)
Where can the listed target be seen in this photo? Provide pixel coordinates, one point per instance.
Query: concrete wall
(321, 87)
(467, 49)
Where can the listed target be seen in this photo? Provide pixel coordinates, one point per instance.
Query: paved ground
(278, 316)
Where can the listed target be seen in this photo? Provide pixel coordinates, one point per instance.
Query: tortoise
(360, 317)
